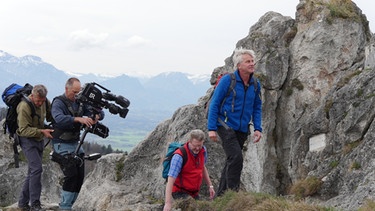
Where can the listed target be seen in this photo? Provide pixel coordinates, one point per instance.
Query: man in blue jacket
(69, 118)
(229, 116)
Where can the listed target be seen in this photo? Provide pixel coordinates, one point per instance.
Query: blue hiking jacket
(247, 105)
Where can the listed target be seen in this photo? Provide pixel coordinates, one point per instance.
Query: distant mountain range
(152, 99)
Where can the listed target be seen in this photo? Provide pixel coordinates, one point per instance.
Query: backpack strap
(69, 105)
(184, 155)
(255, 83)
(47, 105)
(184, 159)
(230, 89)
(32, 107)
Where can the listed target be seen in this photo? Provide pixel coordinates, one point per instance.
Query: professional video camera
(93, 96)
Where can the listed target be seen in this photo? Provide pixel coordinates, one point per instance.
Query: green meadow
(124, 140)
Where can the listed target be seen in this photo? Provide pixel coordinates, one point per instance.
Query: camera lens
(122, 101)
(123, 112)
(109, 96)
(113, 108)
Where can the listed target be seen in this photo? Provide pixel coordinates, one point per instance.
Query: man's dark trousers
(32, 187)
(232, 142)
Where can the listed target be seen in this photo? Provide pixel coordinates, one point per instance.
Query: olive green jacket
(29, 126)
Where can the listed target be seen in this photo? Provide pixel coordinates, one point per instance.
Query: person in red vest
(185, 181)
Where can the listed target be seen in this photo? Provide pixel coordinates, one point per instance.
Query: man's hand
(212, 192)
(47, 133)
(167, 206)
(213, 136)
(257, 136)
(85, 121)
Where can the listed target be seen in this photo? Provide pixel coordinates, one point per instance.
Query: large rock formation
(316, 71)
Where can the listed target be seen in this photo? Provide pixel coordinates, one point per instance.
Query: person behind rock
(229, 116)
(69, 116)
(31, 134)
(185, 181)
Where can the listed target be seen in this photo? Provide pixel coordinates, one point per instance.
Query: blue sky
(116, 37)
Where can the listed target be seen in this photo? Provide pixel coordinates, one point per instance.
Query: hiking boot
(36, 207)
(24, 207)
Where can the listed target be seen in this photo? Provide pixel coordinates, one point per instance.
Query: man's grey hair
(39, 90)
(70, 81)
(197, 134)
(237, 56)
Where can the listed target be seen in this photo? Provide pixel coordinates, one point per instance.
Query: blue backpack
(172, 147)
(12, 96)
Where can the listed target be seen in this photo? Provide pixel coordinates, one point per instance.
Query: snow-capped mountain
(160, 94)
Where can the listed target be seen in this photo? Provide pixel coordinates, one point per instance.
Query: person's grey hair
(197, 134)
(237, 56)
(70, 81)
(39, 90)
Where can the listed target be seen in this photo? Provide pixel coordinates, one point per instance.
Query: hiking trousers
(32, 186)
(232, 142)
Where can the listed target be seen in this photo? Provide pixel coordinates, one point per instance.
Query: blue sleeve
(175, 166)
(257, 110)
(218, 96)
(61, 115)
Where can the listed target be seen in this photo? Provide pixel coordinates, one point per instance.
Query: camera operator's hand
(85, 121)
(97, 118)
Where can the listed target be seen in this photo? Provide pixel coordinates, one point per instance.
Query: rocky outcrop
(316, 72)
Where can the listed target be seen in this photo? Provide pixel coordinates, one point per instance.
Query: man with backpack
(229, 116)
(31, 133)
(69, 116)
(185, 180)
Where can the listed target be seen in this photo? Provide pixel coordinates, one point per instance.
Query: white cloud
(136, 41)
(83, 39)
(41, 40)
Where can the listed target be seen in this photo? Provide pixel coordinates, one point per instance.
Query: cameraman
(69, 118)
